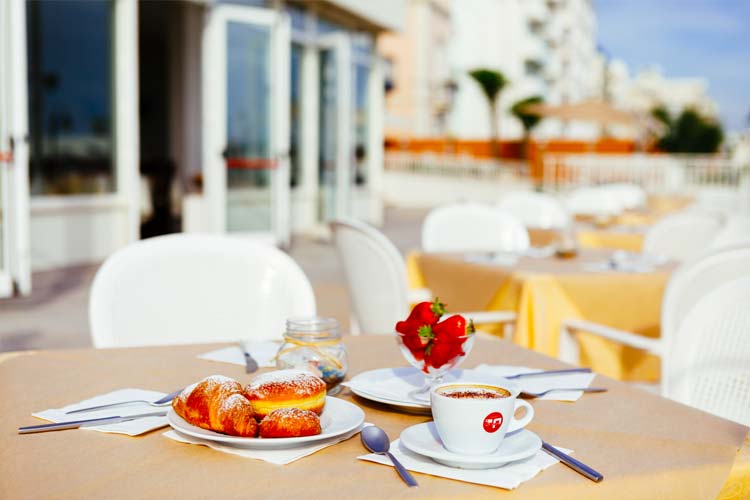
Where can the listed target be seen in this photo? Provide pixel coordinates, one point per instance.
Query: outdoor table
(612, 237)
(646, 446)
(545, 292)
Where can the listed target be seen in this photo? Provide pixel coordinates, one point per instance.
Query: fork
(583, 389)
(159, 403)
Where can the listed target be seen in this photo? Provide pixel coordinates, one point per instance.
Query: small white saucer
(424, 440)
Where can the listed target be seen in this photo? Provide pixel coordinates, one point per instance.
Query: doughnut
(286, 389)
(290, 422)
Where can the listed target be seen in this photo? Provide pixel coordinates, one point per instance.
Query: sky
(685, 38)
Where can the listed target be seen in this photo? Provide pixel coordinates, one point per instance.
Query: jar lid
(312, 324)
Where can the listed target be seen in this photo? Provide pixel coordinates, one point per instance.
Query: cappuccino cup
(473, 418)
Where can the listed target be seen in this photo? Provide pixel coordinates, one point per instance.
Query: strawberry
(415, 337)
(427, 313)
(454, 326)
(442, 350)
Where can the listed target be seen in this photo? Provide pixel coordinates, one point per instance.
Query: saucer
(424, 440)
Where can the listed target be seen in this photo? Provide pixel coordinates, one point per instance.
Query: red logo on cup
(493, 421)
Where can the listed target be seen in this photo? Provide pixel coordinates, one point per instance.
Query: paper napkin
(278, 457)
(543, 382)
(262, 352)
(627, 262)
(508, 476)
(130, 428)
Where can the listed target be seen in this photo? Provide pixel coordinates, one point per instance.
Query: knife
(75, 424)
(159, 402)
(250, 364)
(549, 372)
(574, 464)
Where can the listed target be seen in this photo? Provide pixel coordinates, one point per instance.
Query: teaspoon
(376, 440)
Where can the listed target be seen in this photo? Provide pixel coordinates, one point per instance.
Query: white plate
(339, 417)
(392, 385)
(424, 440)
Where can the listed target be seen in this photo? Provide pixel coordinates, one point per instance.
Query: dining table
(646, 446)
(545, 291)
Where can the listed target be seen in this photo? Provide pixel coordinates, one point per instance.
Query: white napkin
(508, 476)
(278, 457)
(130, 428)
(262, 352)
(502, 259)
(543, 382)
(627, 262)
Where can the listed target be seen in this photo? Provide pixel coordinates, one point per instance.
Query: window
(295, 159)
(70, 96)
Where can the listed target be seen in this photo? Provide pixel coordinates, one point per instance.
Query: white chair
(472, 227)
(736, 231)
(689, 286)
(536, 210)
(593, 201)
(376, 279)
(196, 288)
(630, 196)
(681, 236)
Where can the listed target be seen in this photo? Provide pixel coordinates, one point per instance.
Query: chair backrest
(629, 195)
(375, 274)
(472, 227)
(536, 210)
(710, 364)
(736, 231)
(196, 288)
(682, 236)
(593, 201)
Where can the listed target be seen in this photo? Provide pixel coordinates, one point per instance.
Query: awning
(586, 111)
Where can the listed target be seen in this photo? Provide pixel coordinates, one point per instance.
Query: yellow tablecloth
(544, 292)
(610, 239)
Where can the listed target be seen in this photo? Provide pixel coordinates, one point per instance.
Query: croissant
(218, 404)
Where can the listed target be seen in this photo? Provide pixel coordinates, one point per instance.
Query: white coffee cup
(474, 425)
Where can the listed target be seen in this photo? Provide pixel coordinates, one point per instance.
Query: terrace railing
(462, 166)
(655, 173)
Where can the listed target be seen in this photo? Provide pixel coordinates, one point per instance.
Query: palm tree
(528, 120)
(492, 83)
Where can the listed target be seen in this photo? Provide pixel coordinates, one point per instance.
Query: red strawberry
(442, 350)
(427, 313)
(415, 337)
(454, 326)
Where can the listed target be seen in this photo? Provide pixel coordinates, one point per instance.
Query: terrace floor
(55, 315)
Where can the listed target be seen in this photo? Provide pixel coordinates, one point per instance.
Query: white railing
(462, 166)
(655, 173)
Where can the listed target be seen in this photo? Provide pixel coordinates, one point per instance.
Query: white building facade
(259, 117)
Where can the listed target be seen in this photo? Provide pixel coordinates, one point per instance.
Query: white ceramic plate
(392, 385)
(424, 440)
(339, 417)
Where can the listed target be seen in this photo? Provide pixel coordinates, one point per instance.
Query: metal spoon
(376, 440)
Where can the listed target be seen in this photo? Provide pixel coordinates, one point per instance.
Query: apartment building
(543, 47)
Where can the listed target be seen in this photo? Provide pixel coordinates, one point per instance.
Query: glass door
(15, 268)
(335, 128)
(246, 121)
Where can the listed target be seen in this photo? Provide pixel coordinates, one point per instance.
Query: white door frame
(16, 268)
(340, 43)
(214, 102)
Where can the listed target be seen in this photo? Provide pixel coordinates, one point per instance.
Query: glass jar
(314, 344)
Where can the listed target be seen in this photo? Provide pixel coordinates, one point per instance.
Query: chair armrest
(626, 338)
(484, 317)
